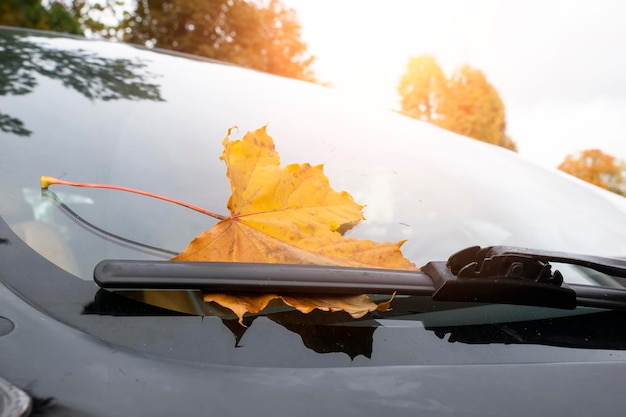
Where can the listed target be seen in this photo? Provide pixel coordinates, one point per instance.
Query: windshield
(120, 115)
(111, 113)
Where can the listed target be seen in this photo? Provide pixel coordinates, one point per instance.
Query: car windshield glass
(110, 113)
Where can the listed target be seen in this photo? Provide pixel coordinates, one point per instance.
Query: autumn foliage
(287, 215)
(259, 35)
(597, 168)
(464, 102)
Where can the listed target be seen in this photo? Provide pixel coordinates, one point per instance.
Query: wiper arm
(497, 274)
(523, 262)
(522, 276)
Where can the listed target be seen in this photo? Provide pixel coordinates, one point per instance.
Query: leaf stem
(47, 181)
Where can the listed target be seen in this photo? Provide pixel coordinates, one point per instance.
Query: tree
(598, 168)
(79, 17)
(33, 14)
(422, 89)
(465, 102)
(259, 36)
(96, 17)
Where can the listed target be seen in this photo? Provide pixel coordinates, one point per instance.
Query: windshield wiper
(496, 274)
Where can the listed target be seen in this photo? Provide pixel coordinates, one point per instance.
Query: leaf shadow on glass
(23, 58)
(322, 332)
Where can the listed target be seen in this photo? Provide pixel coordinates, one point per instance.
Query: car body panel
(88, 376)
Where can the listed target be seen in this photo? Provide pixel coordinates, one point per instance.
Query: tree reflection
(13, 125)
(23, 58)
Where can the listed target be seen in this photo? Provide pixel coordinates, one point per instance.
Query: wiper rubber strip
(258, 277)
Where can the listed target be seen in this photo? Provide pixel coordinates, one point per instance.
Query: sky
(559, 66)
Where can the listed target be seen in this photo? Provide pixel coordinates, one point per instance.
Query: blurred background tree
(422, 89)
(96, 17)
(55, 16)
(464, 103)
(259, 35)
(598, 168)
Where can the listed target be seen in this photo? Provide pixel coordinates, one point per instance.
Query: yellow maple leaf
(287, 215)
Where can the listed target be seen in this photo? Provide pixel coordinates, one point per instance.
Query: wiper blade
(497, 274)
(258, 277)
